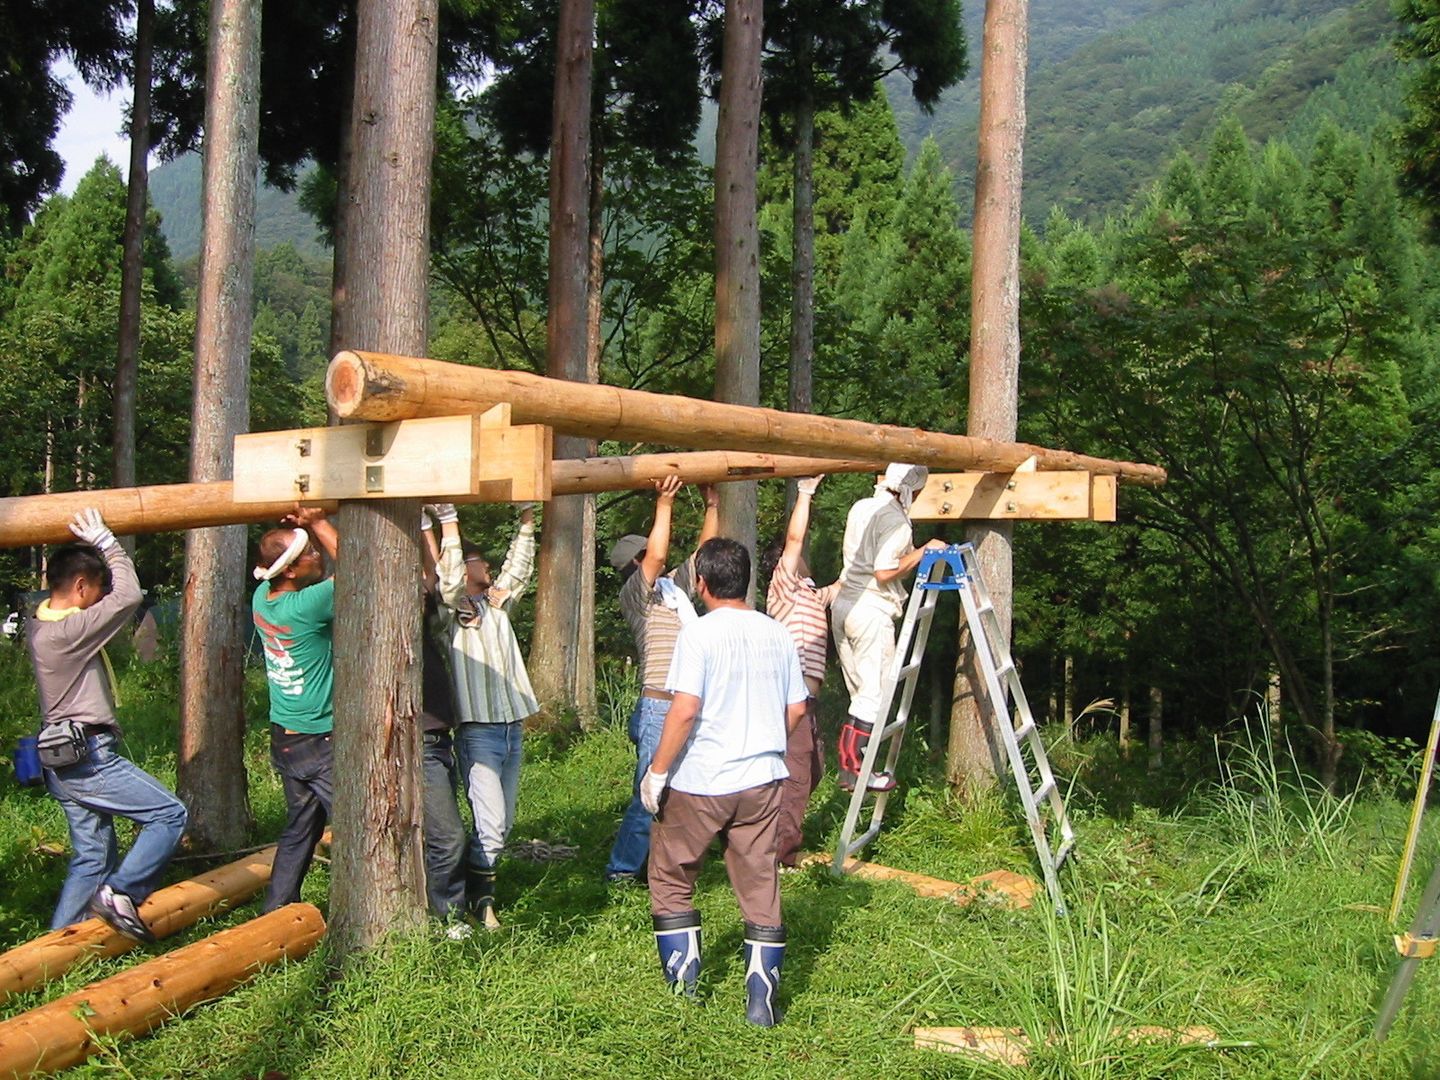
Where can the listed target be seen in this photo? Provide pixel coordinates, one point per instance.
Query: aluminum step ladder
(954, 569)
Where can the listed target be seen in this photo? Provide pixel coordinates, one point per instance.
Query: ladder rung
(908, 670)
(1066, 850)
(1025, 730)
(986, 606)
(892, 727)
(1004, 669)
(1044, 791)
(861, 840)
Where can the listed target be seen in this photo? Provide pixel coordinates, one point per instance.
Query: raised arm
(799, 522)
(450, 567)
(710, 527)
(519, 565)
(908, 562)
(97, 624)
(315, 521)
(429, 547)
(657, 549)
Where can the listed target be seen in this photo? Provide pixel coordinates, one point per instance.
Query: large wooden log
(44, 519)
(166, 911)
(65, 1032)
(379, 386)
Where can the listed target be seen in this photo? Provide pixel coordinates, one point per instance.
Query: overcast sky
(91, 128)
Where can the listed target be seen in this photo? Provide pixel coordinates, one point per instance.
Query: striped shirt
(491, 684)
(799, 606)
(654, 624)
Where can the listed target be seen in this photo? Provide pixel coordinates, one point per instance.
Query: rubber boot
(764, 956)
(480, 897)
(678, 939)
(850, 752)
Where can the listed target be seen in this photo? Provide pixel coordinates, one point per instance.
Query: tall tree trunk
(1274, 700)
(1330, 748)
(1157, 732)
(1125, 699)
(345, 220)
(737, 243)
(973, 760)
(132, 261)
(802, 260)
(1070, 731)
(585, 701)
(211, 768)
(379, 870)
(554, 648)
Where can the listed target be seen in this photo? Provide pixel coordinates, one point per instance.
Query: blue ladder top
(953, 558)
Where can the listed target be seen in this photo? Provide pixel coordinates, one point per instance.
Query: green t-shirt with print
(295, 631)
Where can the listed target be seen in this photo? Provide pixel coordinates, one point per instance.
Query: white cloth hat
(905, 481)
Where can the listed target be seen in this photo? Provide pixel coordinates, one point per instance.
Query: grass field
(1239, 898)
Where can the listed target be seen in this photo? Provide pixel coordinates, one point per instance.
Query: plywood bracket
(475, 457)
(1022, 495)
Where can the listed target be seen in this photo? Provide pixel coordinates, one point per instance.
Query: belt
(657, 695)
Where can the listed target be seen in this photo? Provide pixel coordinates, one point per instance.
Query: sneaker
(489, 920)
(118, 910)
(879, 781)
(623, 879)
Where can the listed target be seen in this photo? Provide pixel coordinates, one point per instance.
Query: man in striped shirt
(654, 603)
(799, 605)
(493, 695)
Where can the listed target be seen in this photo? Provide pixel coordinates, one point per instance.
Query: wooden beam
(1003, 887)
(443, 457)
(1011, 1046)
(166, 912)
(377, 386)
(26, 520)
(1016, 496)
(68, 1030)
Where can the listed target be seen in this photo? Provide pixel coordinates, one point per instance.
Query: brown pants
(746, 821)
(805, 758)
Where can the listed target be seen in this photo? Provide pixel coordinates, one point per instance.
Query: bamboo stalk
(67, 1030)
(44, 519)
(379, 386)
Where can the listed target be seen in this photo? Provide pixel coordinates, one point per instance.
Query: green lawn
(1245, 906)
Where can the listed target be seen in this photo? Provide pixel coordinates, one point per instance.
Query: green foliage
(1420, 145)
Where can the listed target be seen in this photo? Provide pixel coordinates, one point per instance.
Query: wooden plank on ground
(1011, 1046)
(1002, 887)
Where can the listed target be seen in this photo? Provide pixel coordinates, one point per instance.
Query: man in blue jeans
(294, 611)
(655, 605)
(93, 594)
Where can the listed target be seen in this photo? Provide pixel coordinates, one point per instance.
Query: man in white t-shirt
(878, 556)
(738, 692)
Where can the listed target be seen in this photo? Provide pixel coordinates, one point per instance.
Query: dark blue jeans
(93, 793)
(632, 845)
(444, 831)
(304, 764)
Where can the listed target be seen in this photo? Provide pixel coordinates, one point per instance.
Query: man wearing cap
(493, 695)
(655, 604)
(878, 553)
(93, 593)
(294, 612)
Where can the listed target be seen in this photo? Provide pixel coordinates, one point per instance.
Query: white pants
(865, 642)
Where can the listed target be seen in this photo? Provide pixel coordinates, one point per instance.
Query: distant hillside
(175, 191)
(1115, 89)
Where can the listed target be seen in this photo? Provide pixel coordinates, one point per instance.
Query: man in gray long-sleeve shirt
(93, 594)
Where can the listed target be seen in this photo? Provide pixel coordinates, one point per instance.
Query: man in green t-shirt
(294, 611)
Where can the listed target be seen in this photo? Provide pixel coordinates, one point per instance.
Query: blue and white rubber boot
(764, 956)
(678, 939)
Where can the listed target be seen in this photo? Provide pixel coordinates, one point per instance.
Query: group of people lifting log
(725, 727)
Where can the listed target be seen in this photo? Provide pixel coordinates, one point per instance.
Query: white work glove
(445, 513)
(426, 522)
(808, 485)
(90, 527)
(651, 787)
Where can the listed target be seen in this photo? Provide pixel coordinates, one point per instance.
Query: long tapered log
(66, 1031)
(43, 519)
(379, 386)
(166, 911)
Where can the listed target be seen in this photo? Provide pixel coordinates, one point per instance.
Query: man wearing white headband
(879, 553)
(294, 611)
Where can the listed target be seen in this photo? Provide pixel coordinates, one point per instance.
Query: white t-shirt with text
(744, 668)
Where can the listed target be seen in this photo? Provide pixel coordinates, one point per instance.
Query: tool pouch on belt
(62, 745)
(28, 772)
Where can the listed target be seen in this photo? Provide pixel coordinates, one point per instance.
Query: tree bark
(340, 332)
(973, 760)
(132, 264)
(211, 769)
(378, 883)
(555, 648)
(1069, 706)
(1157, 733)
(737, 242)
(1125, 699)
